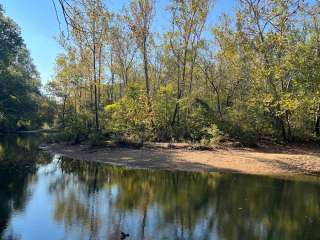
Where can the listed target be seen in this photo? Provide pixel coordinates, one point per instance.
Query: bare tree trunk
(181, 85)
(194, 57)
(99, 74)
(112, 97)
(112, 80)
(145, 63)
(176, 109)
(91, 95)
(95, 84)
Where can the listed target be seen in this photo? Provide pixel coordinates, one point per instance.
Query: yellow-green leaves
(111, 107)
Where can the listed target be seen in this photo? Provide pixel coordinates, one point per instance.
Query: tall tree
(187, 23)
(19, 80)
(140, 15)
(89, 21)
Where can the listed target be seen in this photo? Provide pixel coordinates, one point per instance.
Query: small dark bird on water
(124, 236)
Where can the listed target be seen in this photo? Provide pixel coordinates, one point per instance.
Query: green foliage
(96, 139)
(75, 127)
(132, 117)
(19, 81)
(212, 136)
(259, 77)
(10, 40)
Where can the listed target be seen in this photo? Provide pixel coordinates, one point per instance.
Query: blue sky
(39, 26)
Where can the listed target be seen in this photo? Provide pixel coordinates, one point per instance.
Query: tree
(89, 21)
(19, 80)
(187, 22)
(123, 50)
(139, 18)
(257, 78)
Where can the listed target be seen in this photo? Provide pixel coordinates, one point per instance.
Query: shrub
(212, 136)
(132, 117)
(96, 139)
(75, 128)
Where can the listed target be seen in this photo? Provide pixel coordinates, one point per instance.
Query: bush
(132, 117)
(212, 136)
(75, 129)
(96, 139)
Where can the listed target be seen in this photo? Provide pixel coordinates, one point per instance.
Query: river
(45, 196)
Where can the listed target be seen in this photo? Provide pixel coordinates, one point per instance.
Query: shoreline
(267, 162)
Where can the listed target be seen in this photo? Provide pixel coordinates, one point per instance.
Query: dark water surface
(47, 197)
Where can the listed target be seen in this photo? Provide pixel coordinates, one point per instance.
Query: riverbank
(280, 161)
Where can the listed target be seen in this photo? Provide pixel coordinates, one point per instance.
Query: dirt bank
(266, 161)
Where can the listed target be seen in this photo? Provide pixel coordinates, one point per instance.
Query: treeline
(22, 106)
(252, 75)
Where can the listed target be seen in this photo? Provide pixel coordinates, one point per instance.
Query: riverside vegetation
(251, 75)
(22, 105)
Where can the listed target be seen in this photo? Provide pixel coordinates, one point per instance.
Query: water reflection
(18, 157)
(83, 200)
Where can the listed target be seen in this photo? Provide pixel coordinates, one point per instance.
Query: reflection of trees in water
(186, 205)
(13, 196)
(99, 201)
(18, 159)
(270, 209)
(76, 202)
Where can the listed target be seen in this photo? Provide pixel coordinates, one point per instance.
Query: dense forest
(22, 106)
(251, 75)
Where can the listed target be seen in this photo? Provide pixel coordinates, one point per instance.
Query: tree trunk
(112, 86)
(283, 130)
(95, 85)
(145, 63)
(317, 123)
(176, 109)
(99, 74)
(64, 111)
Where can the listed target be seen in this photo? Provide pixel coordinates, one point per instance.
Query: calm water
(47, 197)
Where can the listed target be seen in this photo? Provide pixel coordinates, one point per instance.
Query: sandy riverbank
(266, 161)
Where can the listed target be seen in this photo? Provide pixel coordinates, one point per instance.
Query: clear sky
(39, 26)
